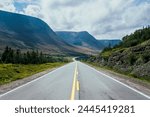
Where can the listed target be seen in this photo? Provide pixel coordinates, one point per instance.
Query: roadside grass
(12, 72)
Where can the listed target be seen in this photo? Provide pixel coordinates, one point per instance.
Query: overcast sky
(101, 18)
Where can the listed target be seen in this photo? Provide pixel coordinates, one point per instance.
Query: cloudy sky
(101, 18)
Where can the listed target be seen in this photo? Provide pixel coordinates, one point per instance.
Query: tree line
(30, 57)
(137, 37)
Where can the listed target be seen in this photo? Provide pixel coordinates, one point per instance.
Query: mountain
(86, 40)
(108, 42)
(81, 39)
(27, 33)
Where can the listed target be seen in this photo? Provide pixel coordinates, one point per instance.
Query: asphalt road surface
(74, 81)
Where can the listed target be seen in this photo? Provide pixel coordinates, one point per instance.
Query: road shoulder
(137, 84)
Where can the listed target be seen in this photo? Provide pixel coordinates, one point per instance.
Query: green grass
(12, 72)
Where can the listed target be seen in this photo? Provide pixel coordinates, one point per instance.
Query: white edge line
(139, 92)
(34, 80)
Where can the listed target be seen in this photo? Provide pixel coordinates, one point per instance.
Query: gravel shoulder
(137, 84)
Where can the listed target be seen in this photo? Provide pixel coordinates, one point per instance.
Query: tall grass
(12, 72)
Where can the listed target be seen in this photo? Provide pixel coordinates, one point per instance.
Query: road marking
(74, 84)
(139, 92)
(34, 80)
(78, 86)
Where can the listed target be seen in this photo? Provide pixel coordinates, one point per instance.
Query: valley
(28, 45)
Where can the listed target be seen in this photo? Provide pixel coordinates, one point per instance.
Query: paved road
(72, 82)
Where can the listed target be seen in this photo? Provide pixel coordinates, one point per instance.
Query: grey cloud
(68, 3)
(123, 21)
(26, 1)
(1, 6)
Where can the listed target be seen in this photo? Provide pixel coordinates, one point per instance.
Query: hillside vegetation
(131, 56)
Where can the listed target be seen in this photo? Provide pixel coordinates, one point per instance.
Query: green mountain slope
(131, 57)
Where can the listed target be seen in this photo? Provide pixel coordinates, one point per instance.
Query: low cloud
(33, 10)
(7, 5)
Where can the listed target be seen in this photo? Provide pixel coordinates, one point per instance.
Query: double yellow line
(75, 86)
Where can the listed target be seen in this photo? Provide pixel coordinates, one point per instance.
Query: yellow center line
(74, 84)
(78, 86)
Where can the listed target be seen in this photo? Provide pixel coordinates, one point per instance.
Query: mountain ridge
(29, 33)
(82, 38)
(85, 39)
(25, 32)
